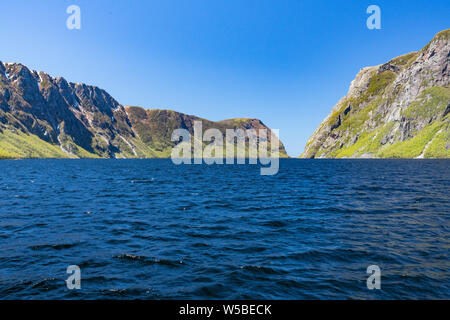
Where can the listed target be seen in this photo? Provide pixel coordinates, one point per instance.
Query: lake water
(148, 229)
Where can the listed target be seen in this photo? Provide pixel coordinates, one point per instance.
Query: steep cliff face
(42, 116)
(396, 110)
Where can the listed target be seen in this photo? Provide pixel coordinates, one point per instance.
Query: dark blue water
(151, 230)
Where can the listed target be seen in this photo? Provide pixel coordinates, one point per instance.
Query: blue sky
(284, 62)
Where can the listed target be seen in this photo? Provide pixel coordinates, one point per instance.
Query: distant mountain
(396, 110)
(46, 117)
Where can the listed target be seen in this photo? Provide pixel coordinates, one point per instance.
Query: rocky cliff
(396, 110)
(46, 117)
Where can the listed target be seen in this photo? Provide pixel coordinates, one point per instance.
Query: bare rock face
(43, 116)
(395, 110)
(70, 115)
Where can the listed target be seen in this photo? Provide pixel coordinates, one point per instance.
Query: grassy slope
(17, 144)
(358, 136)
(354, 122)
(154, 128)
(21, 145)
(431, 103)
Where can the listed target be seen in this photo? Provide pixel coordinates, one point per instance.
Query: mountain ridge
(48, 117)
(398, 109)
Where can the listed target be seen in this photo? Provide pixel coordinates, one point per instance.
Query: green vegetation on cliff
(396, 110)
(46, 117)
(21, 145)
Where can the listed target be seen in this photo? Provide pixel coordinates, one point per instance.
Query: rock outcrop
(396, 110)
(46, 117)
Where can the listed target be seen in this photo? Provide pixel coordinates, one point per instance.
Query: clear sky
(284, 62)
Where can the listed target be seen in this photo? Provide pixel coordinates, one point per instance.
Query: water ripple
(148, 229)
